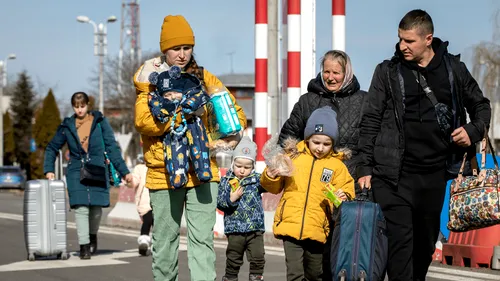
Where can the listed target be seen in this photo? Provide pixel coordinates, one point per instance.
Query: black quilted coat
(347, 104)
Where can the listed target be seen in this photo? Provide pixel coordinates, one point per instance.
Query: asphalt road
(117, 258)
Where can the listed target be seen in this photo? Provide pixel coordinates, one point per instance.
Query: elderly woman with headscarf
(337, 87)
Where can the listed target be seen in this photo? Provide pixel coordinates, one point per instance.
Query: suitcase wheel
(31, 257)
(342, 275)
(62, 256)
(362, 275)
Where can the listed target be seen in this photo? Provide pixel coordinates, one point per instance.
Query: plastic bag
(275, 157)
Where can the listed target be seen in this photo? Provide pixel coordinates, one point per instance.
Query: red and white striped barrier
(298, 33)
(261, 98)
(293, 56)
(338, 25)
(284, 65)
(307, 43)
(438, 253)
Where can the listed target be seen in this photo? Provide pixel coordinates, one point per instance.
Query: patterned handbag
(474, 201)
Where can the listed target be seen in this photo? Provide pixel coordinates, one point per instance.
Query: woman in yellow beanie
(199, 199)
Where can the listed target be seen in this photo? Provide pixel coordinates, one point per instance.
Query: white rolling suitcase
(45, 218)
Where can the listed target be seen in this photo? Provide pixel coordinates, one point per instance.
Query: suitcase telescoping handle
(54, 209)
(59, 166)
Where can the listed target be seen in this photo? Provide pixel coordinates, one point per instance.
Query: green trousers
(168, 205)
(87, 219)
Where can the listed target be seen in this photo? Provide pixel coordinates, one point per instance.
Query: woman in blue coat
(86, 133)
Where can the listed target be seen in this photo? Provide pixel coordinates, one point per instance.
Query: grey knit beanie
(246, 148)
(323, 121)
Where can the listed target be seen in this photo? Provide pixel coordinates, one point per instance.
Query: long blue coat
(80, 194)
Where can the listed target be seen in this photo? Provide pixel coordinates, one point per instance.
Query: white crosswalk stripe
(447, 273)
(436, 272)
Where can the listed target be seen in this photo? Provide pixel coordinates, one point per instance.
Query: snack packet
(234, 183)
(330, 194)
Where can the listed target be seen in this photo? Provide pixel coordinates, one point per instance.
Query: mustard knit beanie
(175, 31)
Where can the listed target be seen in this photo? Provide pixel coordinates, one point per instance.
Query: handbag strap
(473, 164)
(484, 142)
(485, 145)
(102, 141)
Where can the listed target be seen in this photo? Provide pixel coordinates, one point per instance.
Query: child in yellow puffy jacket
(302, 218)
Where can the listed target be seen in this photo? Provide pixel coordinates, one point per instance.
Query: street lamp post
(3, 83)
(100, 50)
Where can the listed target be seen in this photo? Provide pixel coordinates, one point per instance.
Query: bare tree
(120, 96)
(486, 69)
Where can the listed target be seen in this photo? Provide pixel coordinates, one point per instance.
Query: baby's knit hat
(175, 80)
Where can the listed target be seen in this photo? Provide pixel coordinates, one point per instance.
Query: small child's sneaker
(253, 277)
(144, 242)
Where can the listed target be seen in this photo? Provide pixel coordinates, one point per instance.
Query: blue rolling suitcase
(359, 242)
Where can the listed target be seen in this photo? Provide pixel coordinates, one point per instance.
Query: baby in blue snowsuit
(177, 97)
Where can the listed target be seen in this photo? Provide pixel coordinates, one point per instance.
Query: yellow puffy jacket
(152, 130)
(304, 211)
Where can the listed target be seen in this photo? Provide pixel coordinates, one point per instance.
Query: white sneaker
(144, 242)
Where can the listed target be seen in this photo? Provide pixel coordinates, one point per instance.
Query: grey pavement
(117, 257)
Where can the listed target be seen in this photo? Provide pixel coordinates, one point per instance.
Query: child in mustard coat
(302, 218)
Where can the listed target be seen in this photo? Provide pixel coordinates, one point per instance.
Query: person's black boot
(85, 252)
(93, 244)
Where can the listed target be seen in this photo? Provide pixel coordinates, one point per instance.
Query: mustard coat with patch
(152, 130)
(304, 211)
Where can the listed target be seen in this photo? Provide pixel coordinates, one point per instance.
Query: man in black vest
(413, 133)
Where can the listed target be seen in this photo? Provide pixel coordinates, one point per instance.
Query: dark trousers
(327, 267)
(412, 211)
(250, 243)
(147, 223)
(304, 259)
